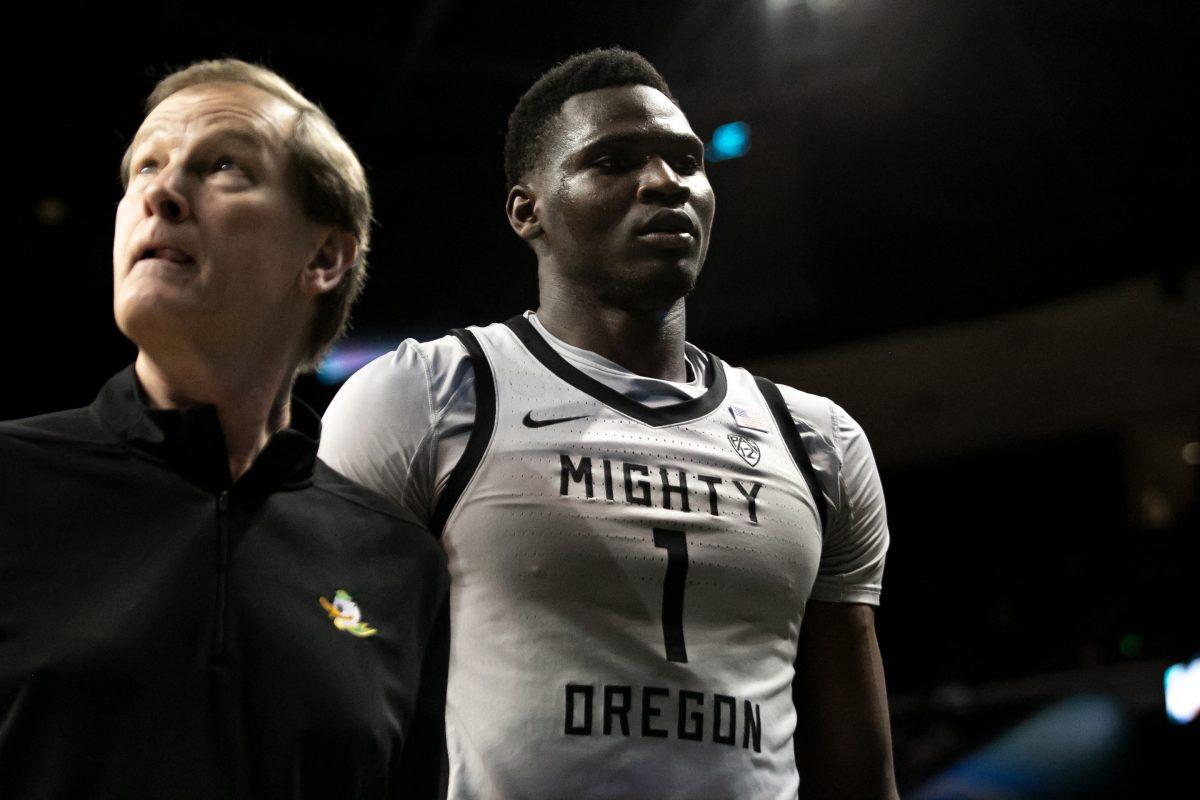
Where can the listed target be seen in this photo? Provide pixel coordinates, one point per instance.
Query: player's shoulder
(826, 416)
(812, 411)
(412, 358)
(418, 371)
(446, 361)
(838, 431)
(817, 410)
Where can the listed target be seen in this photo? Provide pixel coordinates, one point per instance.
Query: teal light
(345, 359)
(731, 140)
(1181, 690)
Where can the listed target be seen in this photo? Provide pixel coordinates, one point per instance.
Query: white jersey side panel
(626, 596)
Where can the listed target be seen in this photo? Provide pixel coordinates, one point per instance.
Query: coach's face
(211, 240)
(622, 206)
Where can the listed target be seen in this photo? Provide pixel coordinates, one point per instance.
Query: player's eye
(225, 164)
(615, 162)
(146, 167)
(687, 165)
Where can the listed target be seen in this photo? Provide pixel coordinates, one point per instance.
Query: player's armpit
(843, 735)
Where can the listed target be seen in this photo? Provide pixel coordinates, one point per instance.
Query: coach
(195, 605)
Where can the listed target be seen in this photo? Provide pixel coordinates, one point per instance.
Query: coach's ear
(331, 260)
(521, 208)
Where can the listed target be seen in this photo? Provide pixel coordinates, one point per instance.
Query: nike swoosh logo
(530, 422)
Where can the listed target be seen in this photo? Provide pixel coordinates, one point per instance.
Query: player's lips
(669, 228)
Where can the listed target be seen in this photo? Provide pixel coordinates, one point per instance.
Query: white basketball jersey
(627, 586)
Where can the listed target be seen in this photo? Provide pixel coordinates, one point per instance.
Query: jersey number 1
(675, 543)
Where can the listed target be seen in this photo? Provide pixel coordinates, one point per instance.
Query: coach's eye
(147, 168)
(227, 165)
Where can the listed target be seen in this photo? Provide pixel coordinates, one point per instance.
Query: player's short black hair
(583, 72)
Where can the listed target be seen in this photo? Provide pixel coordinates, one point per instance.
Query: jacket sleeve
(423, 769)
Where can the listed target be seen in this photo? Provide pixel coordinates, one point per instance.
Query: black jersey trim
(684, 411)
(791, 437)
(481, 432)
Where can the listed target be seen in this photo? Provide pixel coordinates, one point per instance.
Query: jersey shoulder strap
(481, 432)
(791, 437)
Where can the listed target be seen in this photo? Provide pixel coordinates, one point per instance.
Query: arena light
(1072, 748)
(1131, 645)
(346, 359)
(1181, 691)
(731, 140)
(815, 6)
(50, 211)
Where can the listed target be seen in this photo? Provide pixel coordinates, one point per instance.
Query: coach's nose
(166, 197)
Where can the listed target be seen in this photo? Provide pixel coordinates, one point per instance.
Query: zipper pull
(223, 501)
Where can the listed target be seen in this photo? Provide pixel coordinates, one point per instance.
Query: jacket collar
(190, 440)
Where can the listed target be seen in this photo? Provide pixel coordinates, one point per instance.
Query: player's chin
(658, 284)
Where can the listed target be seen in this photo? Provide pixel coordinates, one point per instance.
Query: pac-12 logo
(746, 448)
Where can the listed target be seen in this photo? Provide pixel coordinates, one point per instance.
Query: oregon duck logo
(346, 615)
(745, 448)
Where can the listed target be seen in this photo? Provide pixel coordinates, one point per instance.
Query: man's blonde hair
(329, 180)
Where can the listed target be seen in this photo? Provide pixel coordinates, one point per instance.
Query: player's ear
(521, 208)
(329, 264)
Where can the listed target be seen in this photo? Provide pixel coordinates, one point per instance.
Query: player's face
(210, 237)
(623, 201)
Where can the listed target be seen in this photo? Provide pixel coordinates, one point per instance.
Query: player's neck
(648, 343)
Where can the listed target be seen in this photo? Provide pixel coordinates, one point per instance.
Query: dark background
(919, 172)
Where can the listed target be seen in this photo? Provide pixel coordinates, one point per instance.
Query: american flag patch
(749, 418)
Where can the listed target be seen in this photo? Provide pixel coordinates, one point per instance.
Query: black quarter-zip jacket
(162, 631)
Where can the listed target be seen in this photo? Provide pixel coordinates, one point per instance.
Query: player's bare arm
(845, 750)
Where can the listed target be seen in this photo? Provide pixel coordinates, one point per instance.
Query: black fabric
(481, 432)
(425, 766)
(162, 633)
(791, 437)
(190, 441)
(683, 411)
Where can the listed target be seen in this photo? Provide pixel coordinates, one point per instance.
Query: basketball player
(663, 571)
